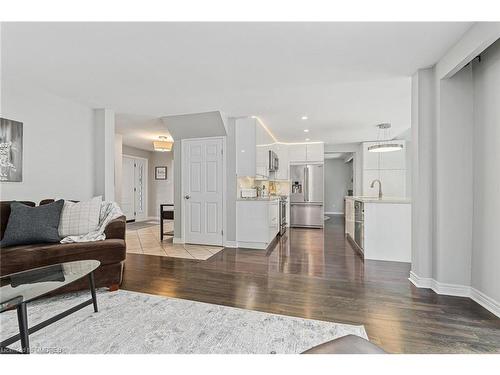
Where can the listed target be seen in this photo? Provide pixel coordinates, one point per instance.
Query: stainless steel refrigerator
(306, 197)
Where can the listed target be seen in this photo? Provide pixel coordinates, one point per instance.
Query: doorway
(134, 188)
(339, 182)
(202, 187)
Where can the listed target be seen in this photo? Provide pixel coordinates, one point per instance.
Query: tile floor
(147, 241)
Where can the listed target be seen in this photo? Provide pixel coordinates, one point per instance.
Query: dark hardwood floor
(315, 274)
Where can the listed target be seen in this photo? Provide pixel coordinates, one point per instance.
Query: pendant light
(163, 145)
(384, 144)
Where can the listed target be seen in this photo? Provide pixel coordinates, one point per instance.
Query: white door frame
(224, 187)
(146, 171)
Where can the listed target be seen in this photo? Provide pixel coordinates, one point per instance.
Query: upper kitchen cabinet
(246, 134)
(264, 143)
(315, 152)
(297, 152)
(253, 144)
(306, 152)
(282, 152)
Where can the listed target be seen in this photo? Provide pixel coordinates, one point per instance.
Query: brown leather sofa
(111, 253)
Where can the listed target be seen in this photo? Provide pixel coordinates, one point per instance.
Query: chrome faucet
(379, 188)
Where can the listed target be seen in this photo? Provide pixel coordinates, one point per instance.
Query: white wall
(104, 153)
(337, 181)
(118, 167)
(455, 122)
(485, 248)
(58, 145)
(453, 205)
(423, 157)
(160, 191)
(406, 136)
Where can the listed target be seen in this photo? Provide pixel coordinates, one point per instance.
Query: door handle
(306, 184)
(187, 196)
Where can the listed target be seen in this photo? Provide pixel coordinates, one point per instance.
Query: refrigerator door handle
(306, 184)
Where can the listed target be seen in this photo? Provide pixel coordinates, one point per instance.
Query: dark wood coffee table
(18, 289)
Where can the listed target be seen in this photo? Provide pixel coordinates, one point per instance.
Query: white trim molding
(178, 240)
(232, 244)
(456, 290)
(487, 302)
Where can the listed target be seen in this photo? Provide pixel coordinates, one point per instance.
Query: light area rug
(130, 322)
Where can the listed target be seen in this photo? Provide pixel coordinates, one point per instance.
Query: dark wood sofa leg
(113, 287)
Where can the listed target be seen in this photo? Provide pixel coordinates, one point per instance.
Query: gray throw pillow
(30, 225)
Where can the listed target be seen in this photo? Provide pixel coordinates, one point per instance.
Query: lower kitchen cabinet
(257, 223)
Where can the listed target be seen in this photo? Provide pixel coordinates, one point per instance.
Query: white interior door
(134, 188)
(128, 182)
(202, 179)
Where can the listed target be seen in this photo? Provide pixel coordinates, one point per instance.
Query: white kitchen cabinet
(245, 132)
(315, 152)
(282, 152)
(257, 223)
(252, 147)
(262, 149)
(273, 219)
(297, 153)
(306, 152)
(386, 233)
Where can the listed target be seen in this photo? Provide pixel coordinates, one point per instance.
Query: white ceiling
(346, 77)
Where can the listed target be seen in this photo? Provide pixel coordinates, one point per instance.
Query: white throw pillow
(80, 218)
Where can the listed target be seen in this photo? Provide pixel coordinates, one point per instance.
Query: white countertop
(383, 200)
(260, 199)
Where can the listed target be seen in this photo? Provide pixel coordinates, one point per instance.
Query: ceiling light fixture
(163, 145)
(304, 118)
(306, 130)
(308, 139)
(384, 143)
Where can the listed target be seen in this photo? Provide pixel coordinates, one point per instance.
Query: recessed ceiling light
(253, 116)
(306, 130)
(304, 117)
(308, 139)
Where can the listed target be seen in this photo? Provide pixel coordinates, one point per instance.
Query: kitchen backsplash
(273, 187)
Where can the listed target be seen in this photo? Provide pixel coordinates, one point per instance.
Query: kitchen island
(380, 229)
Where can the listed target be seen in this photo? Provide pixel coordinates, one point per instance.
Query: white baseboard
(232, 244)
(334, 213)
(456, 290)
(487, 302)
(253, 245)
(178, 240)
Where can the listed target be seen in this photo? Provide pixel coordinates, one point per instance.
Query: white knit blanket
(109, 211)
